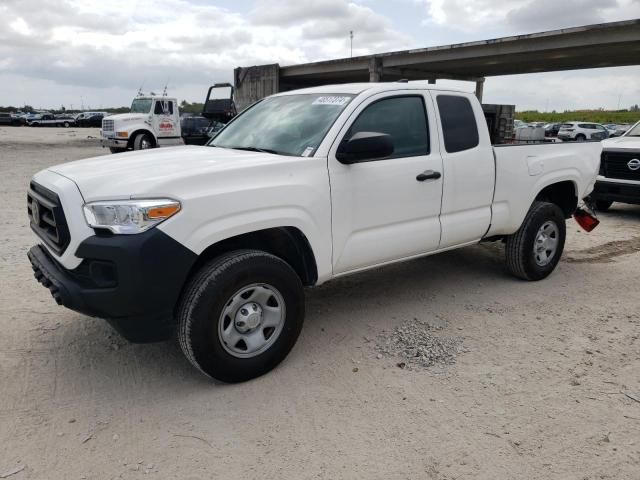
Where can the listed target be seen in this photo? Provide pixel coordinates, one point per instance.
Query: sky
(97, 54)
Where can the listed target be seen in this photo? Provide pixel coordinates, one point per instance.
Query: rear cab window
(459, 127)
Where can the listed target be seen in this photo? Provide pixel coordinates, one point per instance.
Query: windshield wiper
(256, 149)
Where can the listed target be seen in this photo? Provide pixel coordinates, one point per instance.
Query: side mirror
(365, 146)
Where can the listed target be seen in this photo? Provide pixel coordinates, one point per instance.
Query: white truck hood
(169, 172)
(128, 117)
(622, 142)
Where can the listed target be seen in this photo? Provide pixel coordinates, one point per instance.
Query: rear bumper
(132, 281)
(617, 192)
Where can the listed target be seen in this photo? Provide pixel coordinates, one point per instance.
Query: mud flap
(586, 219)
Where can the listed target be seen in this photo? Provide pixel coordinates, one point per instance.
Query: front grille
(47, 217)
(616, 165)
(107, 125)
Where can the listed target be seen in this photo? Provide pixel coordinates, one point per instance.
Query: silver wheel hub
(248, 317)
(546, 243)
(252, 320)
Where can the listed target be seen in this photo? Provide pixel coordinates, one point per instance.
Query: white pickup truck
(217, 242)
(619, 178)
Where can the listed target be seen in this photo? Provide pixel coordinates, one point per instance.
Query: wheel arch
(135, 133)
(563, 194)
(288, 243)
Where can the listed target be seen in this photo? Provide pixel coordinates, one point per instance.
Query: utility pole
(351, 41)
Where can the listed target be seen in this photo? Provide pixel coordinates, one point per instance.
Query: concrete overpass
(593, 46)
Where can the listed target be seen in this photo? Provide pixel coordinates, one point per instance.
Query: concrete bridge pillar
(479, 88)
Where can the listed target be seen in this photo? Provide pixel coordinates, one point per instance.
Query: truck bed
(529, 168)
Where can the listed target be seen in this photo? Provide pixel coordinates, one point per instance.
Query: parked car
(195, 129)
(50, 120)
(581, 131)
(94, 120)
(619, 176)
(620, 129)
(217, 242)
(12, 120)
(519, 124)
(31, 116)
(552, 129)
(83, 115)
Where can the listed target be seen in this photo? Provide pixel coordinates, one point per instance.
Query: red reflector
(586, 220)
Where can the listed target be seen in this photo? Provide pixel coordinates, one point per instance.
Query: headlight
(130, 216)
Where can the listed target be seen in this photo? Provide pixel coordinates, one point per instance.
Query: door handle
(428, 175)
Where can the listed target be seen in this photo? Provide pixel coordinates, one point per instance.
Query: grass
(595, 116)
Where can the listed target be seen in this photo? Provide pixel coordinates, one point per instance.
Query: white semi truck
(154, 121)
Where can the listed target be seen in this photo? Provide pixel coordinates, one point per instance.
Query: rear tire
(603, 205)
(65, 124)
(243, 295)
(142, 142)
(533, 252)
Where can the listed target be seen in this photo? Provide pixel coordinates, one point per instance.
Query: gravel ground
(545, 381)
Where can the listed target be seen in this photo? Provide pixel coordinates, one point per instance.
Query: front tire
(580, 138)
(533, 252)
(142, 142)
(240, 315)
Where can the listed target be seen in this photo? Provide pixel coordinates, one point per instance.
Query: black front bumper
(617, 192)
(132, 281)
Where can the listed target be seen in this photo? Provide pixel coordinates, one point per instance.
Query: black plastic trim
(51, 225)
(617, 192)
(132, 281)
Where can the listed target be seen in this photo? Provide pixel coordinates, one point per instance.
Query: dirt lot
(545, 386)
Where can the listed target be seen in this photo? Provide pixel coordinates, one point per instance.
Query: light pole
(351, 41)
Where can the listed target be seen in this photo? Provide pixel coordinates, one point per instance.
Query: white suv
(581, 131)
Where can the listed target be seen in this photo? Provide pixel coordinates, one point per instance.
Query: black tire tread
(137, 141)
(515, 244)
(196, 287)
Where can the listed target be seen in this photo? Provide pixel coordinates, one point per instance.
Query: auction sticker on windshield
(332, 100)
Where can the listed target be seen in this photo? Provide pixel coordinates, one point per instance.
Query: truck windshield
(287, 125)
(141, 105)
(634, 132)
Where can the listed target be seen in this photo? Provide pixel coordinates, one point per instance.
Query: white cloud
(93, 44)
(55, 52)
(525, 16)
(20, 26)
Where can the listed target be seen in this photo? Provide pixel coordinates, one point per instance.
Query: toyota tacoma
(218, 242)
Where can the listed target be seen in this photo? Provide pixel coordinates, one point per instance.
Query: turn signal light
(163, 211)
(122, 134)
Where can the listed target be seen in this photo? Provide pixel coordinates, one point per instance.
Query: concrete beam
(417, 74)
(592, 46)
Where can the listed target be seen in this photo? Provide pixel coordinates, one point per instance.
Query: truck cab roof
(373, 87)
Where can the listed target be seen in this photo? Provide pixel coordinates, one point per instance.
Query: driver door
(381, 211)
(164, 120)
